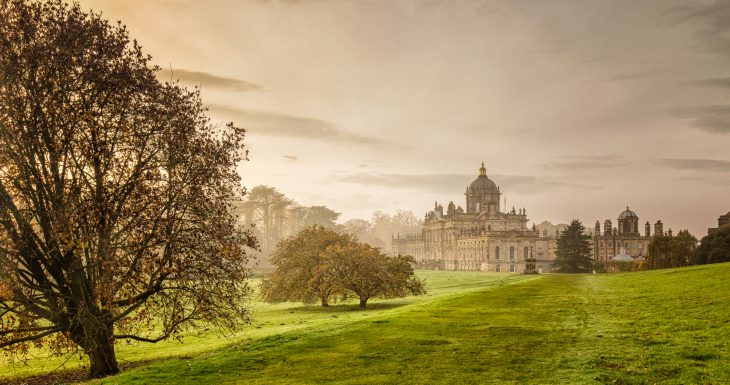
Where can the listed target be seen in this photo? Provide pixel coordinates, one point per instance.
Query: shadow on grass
(343, 308)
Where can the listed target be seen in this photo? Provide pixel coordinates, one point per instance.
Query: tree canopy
(573, 254)
(321, 264)
(115, 191)
(714, 247)
(675, 251)
(300, 273)
(365, 272)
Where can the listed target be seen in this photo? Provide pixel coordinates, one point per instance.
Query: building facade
(608, 243)
(483, 237)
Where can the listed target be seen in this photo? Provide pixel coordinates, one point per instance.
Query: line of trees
(324, 265)
(272, 217)
(684, 250)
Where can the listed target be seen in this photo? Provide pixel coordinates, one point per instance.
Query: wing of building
(485, 238)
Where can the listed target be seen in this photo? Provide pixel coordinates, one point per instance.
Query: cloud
(582, 163)
(712, 119)
(705, 165)
(291, 157)
(205, 79)
(275, 124)
(723, 82)
(456, 183)
(712, 22)
(706, 180)
(632, 75)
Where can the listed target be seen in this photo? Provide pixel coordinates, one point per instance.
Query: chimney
(607, 227)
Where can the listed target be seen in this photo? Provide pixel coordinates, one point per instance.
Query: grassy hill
(667, 326)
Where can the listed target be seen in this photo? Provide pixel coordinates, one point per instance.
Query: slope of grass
(669, 326)
(269, 320)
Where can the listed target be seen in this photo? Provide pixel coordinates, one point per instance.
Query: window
(511, 252)
(527, 252)
(497, 269)
(511, 268)
(496, 253)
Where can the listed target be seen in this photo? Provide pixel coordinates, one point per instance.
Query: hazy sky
(578, 107)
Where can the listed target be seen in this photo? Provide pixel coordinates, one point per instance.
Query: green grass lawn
(667, 326)
(268, 320)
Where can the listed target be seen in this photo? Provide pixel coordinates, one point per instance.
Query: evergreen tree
(574, 250)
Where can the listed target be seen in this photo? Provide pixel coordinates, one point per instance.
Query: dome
(627, 214)
(623, 257)
(482, 183)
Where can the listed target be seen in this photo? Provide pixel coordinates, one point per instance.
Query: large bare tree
(115, 191)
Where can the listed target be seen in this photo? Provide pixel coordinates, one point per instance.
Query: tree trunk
(103, 359)
(96, 337)
(325, 303)
(363, 303)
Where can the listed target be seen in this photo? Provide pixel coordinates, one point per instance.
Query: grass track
(669, 326)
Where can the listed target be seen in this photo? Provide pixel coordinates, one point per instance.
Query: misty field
(666, 326)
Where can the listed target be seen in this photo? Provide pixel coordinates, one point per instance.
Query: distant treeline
(274, 217)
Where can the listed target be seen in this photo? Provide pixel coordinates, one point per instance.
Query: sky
(578, 108)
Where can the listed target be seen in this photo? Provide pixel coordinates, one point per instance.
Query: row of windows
(618, 244)
(498, 268)
(526, 252)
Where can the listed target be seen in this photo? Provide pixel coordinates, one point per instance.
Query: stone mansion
(482, 237)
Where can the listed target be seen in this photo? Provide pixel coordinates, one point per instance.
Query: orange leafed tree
(115, 191)
(323, 264)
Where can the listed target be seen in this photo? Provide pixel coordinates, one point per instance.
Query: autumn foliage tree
(115, 221)
(364, 272)
(301, 274)
(322, 264)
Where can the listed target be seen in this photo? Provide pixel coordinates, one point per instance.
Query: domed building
(624, 239)
(485, 238)
(482, 237)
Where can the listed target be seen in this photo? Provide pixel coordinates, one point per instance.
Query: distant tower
(597, 230)
(647, 229)
(628, 223)
(482, 194)
(607, 227)
(669, 233)
(658, 228)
